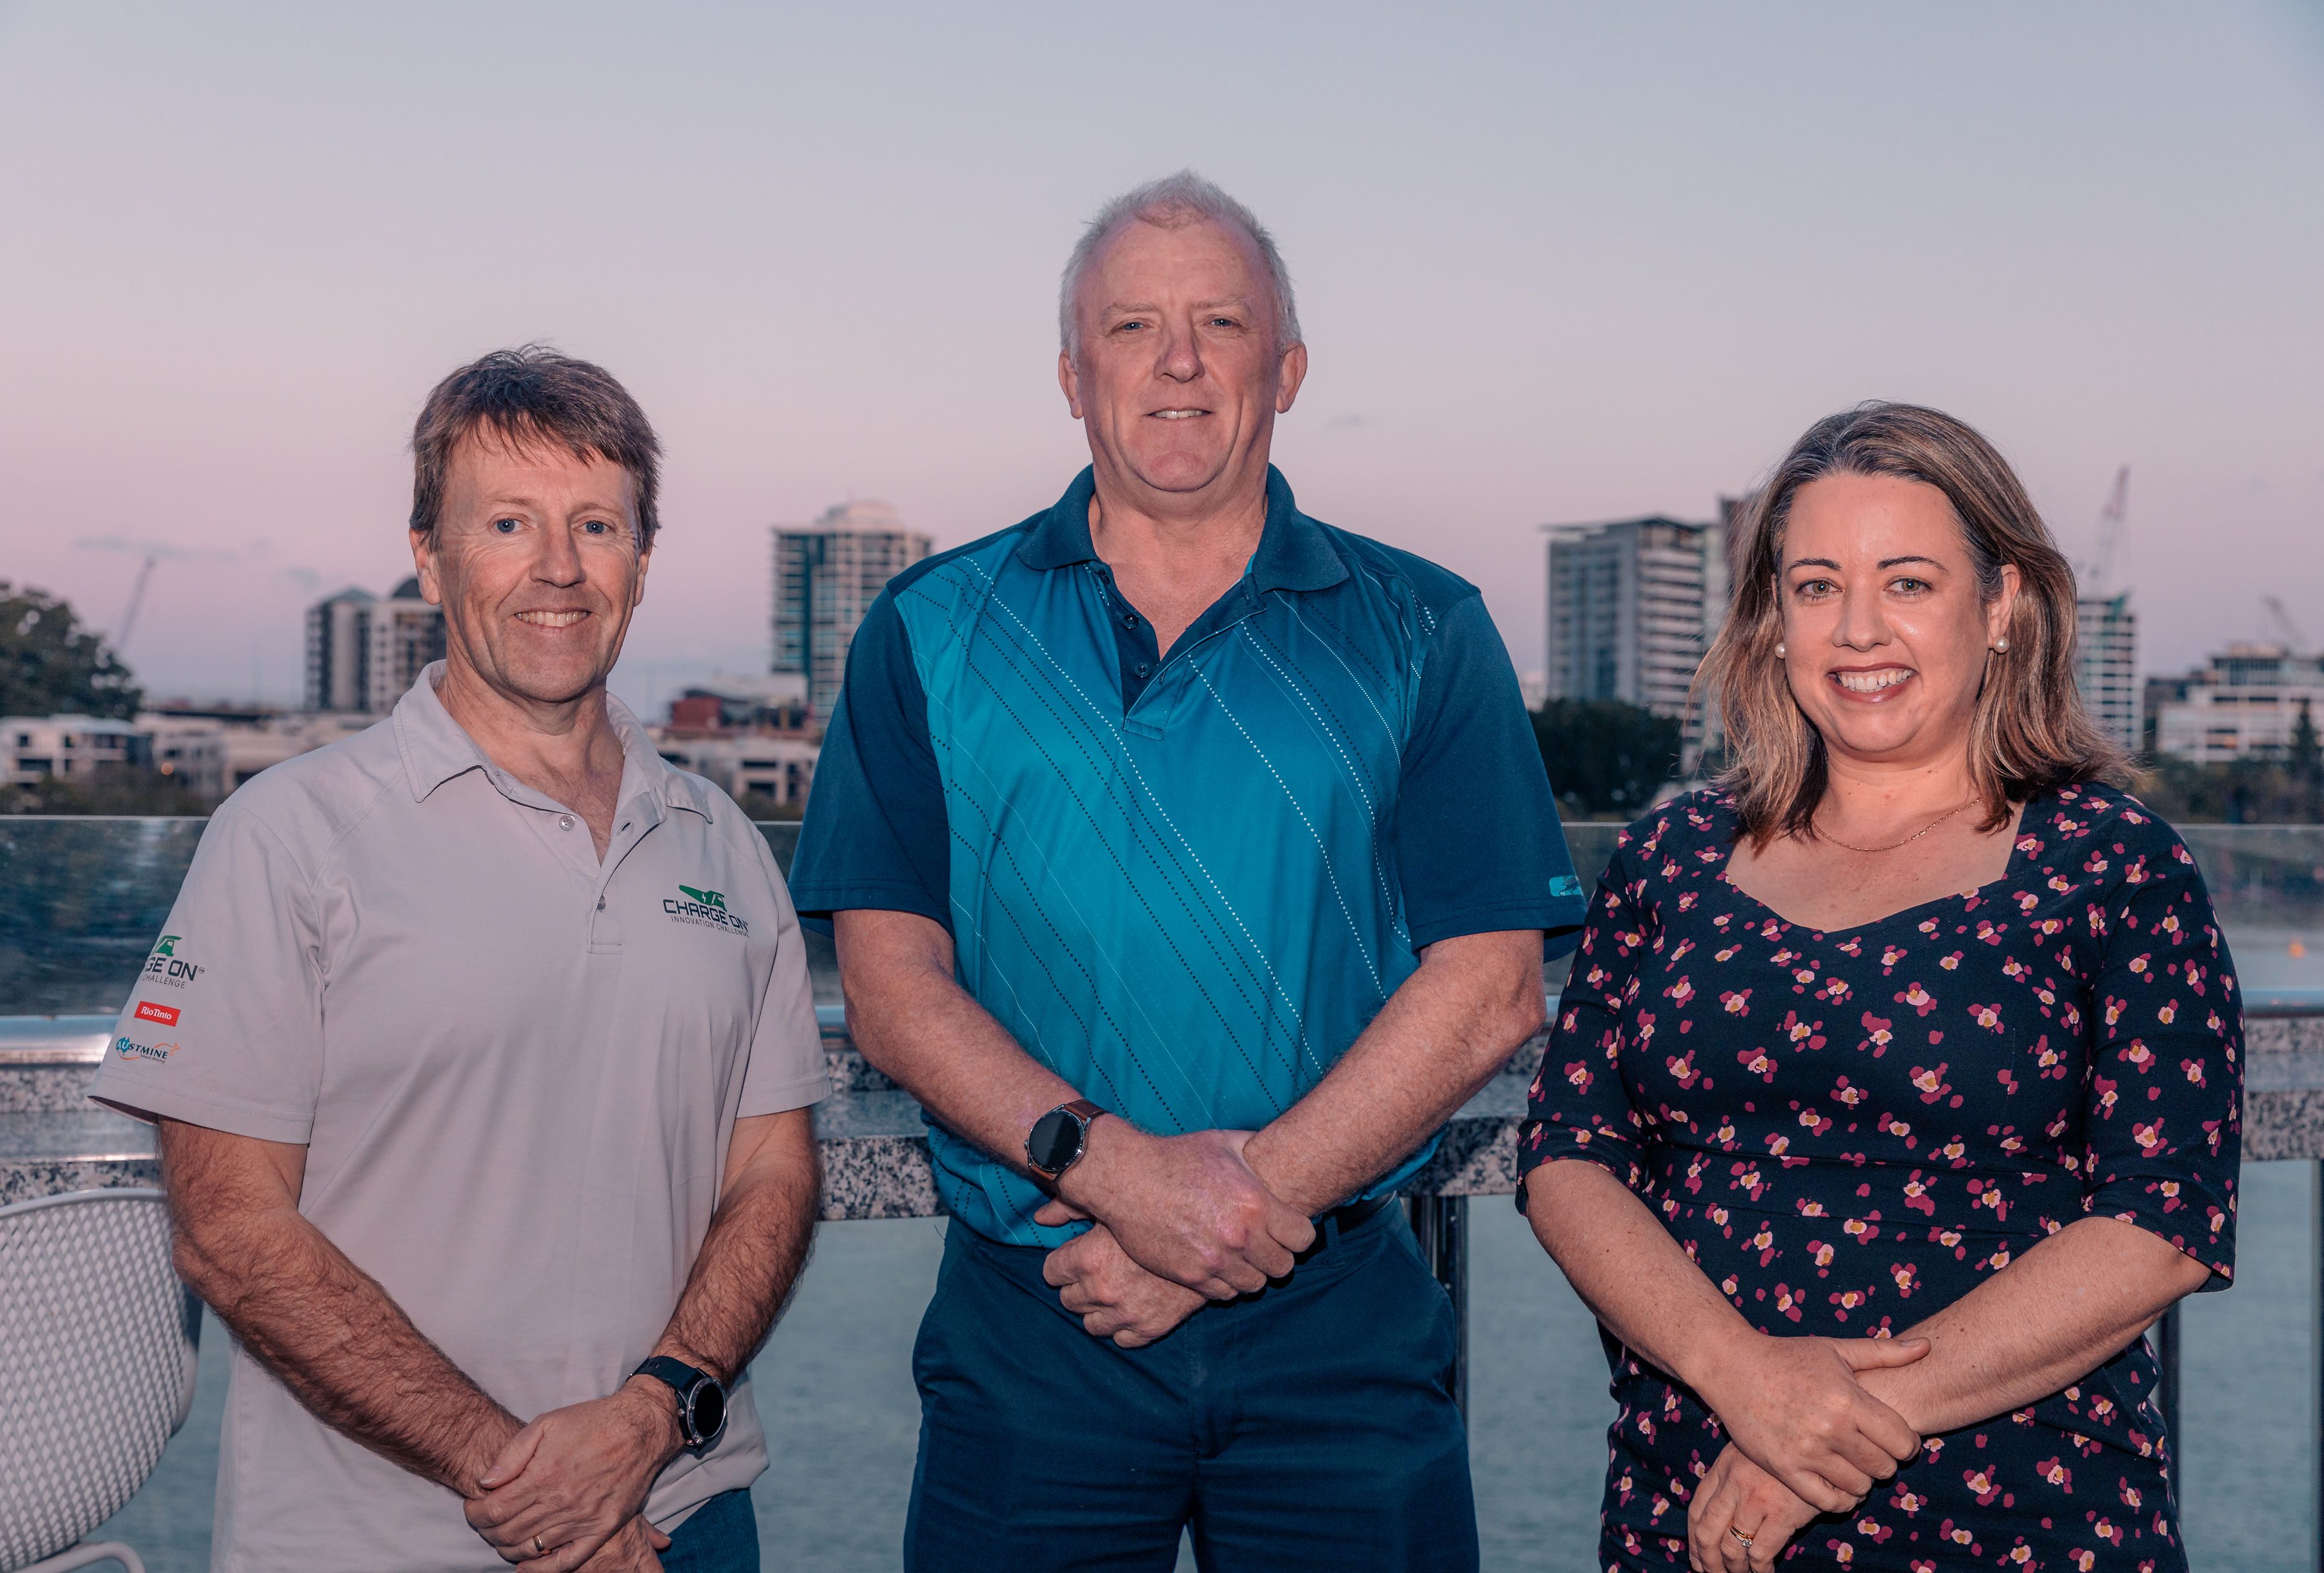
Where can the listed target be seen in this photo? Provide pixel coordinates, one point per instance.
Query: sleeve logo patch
(165, 966)
(167, 1015)
(703, 909)
(128, 1050)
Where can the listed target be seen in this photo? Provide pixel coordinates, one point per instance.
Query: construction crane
(2285, 632)
(2110, 521)
(136, 600)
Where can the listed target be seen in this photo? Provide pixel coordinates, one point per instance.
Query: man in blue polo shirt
(1190, 860)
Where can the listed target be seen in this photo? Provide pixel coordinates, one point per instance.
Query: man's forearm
(750, 1258)
(915, 1024)
(327, 1329)
(1444, 1034)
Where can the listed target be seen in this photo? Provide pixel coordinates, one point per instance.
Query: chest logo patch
(703, 909)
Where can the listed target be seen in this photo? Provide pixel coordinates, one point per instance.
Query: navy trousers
(1311, 1425)
(721, 1536)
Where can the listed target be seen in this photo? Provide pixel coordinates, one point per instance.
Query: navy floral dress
(1850, 1130)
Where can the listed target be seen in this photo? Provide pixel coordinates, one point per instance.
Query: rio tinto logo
(166, 1015)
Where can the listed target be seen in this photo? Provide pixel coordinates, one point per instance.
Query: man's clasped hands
(1177, 1222)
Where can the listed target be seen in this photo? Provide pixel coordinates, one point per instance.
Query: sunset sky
(1554, 265)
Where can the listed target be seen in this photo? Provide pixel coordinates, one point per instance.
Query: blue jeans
(721, 1537)
(1311, 1425)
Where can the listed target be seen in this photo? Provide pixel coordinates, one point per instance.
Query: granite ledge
(875, 1150)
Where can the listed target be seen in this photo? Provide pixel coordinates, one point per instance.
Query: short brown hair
(534, 395)
(2030, 732)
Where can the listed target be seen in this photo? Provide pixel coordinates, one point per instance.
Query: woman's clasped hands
(1805, 1436)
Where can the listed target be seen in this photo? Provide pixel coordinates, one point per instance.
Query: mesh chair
(96, 1368)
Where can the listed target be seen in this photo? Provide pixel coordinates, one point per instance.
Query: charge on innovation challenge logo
(166, 966)
(705, 909)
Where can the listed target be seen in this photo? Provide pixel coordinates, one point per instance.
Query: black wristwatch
(1060, 1138)
(701, 1400)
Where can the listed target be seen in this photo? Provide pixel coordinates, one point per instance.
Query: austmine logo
(163, 965)
(705, 908)
(164, 1014)
(135, 1051)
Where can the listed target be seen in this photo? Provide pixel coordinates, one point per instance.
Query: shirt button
(1143, 668)
(564, 821)
(1129, 620)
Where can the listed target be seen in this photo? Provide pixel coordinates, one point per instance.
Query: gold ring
(540, 1550)
(1740, 1537)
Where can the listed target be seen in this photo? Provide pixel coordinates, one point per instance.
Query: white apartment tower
(1631, 607)
(2105, 665)
(827, 574)
(338, 650)
(363, 652)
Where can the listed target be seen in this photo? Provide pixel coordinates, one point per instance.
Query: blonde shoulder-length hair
(2030, 733)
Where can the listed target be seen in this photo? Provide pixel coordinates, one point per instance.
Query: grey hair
(1172, 200)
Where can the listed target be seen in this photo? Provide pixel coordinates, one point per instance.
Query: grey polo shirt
(515, 1070)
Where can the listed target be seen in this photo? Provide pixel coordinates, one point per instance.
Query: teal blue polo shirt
(1185, 884)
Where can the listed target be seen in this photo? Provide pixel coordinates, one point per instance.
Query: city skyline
(1553, 265)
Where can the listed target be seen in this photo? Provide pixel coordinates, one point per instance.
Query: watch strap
(677, 1373)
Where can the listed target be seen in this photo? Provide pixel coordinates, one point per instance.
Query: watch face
(1057, 1138)
(709, 1410)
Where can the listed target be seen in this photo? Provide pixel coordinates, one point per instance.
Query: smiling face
(535, 561)
(1885, 630)
(1177, 377)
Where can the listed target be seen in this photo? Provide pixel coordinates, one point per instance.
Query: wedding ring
(1741, 1539)
(540, 1550)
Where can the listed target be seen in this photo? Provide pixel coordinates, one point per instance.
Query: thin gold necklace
(1907, 841)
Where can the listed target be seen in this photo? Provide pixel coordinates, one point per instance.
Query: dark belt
(1341, 1220)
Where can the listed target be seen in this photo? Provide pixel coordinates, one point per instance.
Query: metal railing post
(2169, 1342)
(1441, 1226)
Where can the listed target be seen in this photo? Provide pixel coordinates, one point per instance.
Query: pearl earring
(1779, 652)
(2001, 646)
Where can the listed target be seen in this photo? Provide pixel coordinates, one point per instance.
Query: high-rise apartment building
(2105, 665)
(827, 574)
(338, 650)
(1631, 606)
(364, 651)
(406, 634)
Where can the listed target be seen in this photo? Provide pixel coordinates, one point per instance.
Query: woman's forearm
(1629, 1270)
(2043, 1322)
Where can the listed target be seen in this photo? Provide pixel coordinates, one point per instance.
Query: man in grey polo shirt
(482, 1048)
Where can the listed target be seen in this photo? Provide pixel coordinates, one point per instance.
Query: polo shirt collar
(1295, 553)
(436, 748)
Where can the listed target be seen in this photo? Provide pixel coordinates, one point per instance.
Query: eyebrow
(1884, 562)
(533, 505)
(1121, 308)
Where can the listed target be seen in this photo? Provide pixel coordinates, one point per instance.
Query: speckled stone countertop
(875, 1148)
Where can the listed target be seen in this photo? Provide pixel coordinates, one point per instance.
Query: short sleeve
(1478, 841)
(1579, 1107)
(875, 833)
(224, 1027)
(2162, 1117)
(786, 1068)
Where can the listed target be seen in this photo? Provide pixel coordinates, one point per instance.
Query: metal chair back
(97, 1340)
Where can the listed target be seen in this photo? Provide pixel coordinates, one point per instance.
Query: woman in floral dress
(1895, 1093)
